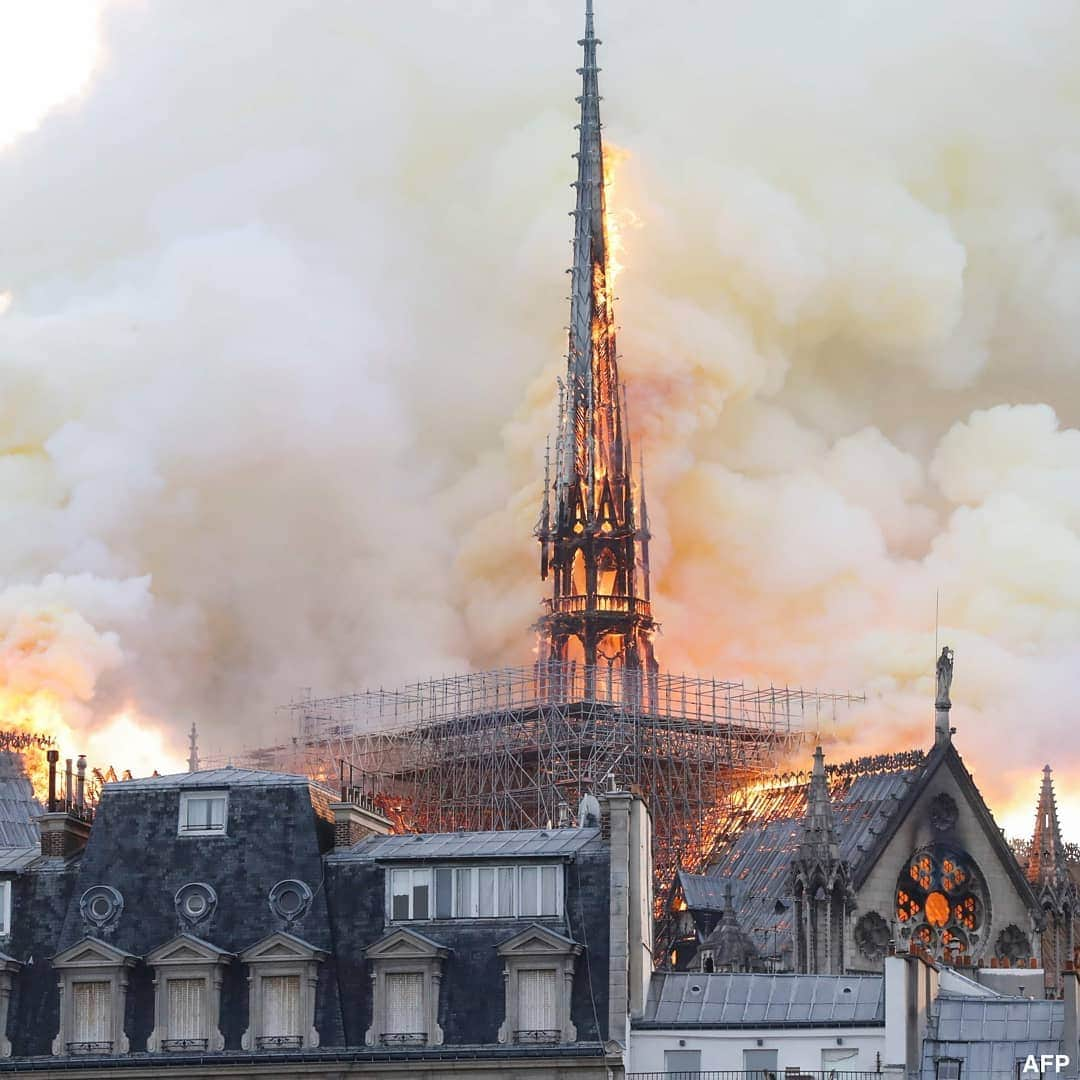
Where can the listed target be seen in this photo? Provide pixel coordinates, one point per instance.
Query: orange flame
(125, 736)
(616, 219)
(36, 713)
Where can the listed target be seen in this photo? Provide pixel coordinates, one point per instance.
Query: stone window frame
(282, 953)
(8, 967)
(401, 951)
(92, 960)
(187, 957)
(538, 948)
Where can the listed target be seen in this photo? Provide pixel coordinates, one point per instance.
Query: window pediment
(93, 994)
(406, 944)
(281, 946)
(281, 996)
(537, 940)
(538, 974)
(188, 949)
(92, 952)
(406, 975)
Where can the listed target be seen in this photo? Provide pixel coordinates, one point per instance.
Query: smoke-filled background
(283, 305)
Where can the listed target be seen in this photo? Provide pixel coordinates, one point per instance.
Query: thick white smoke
(287, 305)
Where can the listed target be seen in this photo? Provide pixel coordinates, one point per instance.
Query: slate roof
(767, 826)
(702, 893)
(689, 999)
(870, 797)
(16, 859)
(229, 777)
(18, 807)
(513, 844)
(991, 1034)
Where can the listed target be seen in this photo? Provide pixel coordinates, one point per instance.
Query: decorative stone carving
(101, 906)
(195, 902)
(1012, 944)
(872, 936)
(943, 812)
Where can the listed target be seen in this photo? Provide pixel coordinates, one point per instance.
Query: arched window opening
(607, 572)
(578, 579)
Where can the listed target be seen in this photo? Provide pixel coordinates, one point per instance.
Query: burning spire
(594, 540)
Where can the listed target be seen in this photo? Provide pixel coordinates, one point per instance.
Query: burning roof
(763, 829)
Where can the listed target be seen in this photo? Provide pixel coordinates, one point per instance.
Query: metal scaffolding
(519, 747)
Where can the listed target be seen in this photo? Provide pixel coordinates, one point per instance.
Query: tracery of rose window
(940, 898)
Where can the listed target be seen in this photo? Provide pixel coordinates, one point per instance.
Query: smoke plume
(285, 313)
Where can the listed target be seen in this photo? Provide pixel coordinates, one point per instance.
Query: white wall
(723, 1049)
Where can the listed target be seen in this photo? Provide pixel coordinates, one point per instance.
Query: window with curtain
(410, 894)
(476, 892)
(405, 1008)
(203, 812)
(280, 1011)
(186, 1000)
(538, 1015)
(92, 1015)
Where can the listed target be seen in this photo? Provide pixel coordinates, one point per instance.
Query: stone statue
(944, 677)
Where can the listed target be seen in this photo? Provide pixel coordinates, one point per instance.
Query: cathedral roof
(870, 798)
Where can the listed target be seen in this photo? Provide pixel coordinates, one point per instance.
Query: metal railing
(89, 1047)
(280, 1042)
(754, 1074)
(581, 605)
(403, 1038)
(172, 1045)
(542, 1035)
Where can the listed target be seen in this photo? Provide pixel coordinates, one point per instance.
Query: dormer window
(188, 974)
(203, 813)
(476, 892)
(93, 977)
(538, 976)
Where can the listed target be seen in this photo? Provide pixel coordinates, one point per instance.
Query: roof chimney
(65, 826)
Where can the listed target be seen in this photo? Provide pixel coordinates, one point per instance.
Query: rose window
(940, 898)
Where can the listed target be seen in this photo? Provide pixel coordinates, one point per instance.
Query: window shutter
(281, 1005)
(187, 999)
(93, 1012)
(537, 1011)
(405, 1003)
